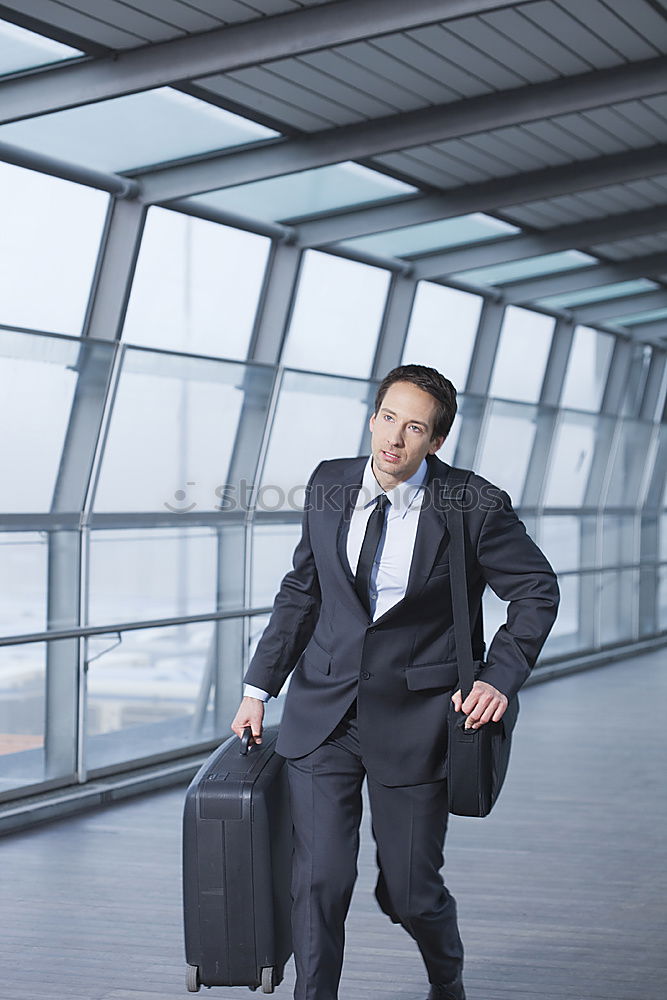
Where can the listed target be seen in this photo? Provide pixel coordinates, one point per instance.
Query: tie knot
(382, 502)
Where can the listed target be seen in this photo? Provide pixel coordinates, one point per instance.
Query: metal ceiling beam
(654, 331)
(122, 187)
(601, 312)
(223, 50)
(403, 131)
(579, 235)
(533, 289)
(533, 185)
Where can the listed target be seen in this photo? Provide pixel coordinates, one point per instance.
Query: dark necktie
(362, 579)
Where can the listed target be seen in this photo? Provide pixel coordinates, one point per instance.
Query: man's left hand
(484, 704)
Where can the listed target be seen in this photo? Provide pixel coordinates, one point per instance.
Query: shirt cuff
(249, 691)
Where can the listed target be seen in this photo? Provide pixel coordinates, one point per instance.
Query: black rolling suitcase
(237, 854)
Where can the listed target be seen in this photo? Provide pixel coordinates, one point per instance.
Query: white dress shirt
(391, 568)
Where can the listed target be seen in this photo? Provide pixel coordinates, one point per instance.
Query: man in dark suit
(363, 623)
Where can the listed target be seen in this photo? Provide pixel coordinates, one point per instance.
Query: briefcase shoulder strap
(453, 500)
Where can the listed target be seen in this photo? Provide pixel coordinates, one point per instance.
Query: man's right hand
(250, 713)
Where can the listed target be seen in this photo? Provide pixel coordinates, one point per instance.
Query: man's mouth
(390, 456)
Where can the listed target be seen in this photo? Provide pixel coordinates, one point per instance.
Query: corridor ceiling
(519, 148)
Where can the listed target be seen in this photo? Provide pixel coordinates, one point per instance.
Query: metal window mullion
(276, 303)
(114, 273)
(66, 553)
(655, 383)
(478, 381)
(548, 414)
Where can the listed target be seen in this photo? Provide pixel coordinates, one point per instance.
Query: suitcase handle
(246, 740)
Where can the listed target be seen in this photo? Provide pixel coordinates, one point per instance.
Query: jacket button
(372, 631)
(365, 675)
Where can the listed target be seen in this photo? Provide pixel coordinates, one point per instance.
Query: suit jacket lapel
(432, 535)
(349, 490)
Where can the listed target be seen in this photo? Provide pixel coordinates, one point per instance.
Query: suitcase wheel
(268, 979)
(192, 980)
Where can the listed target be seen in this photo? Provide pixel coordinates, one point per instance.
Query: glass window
(317, 417)
(23, 49)
(134, 131)
(617, 600)
(587, 369)
(566, 637)
(38, 380)
(23, 565)
(22, 711)
(570, 464)
(560, 540)
(523, 351)
(630, 466)
(166, 573)
(460, 444)
(305, 193)
(51, 232)
(600, 293)
(196, 286)
(150, 693)
(617, 539)
(337, 315)
(442, 330)
(494, 614)
(529, 267)
(172, 433)
(504, 454)
(662, 597)
(433, 235)
(272, 549)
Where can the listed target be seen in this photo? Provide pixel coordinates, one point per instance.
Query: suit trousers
(408, 823)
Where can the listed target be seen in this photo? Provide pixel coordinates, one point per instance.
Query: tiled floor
(562, 890)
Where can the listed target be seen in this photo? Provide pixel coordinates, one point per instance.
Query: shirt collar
(401, 496)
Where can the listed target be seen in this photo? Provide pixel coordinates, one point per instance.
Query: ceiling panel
(624, 249)
(143, 129)
(124, 24)
(412, 51)
(415, 168)
(610, 200)
(309, 192)
(601, 21)
(520, 149)
(22, 49)
(342, 65)
(583, 41)
(76, 22)
(245, 90)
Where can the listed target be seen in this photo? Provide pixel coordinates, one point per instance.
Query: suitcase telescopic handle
(246, 740)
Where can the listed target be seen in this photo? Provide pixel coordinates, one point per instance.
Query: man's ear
(437, 445)
(371, 422)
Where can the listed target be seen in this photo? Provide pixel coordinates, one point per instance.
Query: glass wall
(153, 485)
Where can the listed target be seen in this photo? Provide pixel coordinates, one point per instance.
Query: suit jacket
(402, 666)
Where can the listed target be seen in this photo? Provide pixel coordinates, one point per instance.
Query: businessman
(363, 623)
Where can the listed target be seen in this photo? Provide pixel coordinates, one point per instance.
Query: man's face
(401, 433)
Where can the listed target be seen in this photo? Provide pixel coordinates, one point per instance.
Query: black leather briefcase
(477, 759)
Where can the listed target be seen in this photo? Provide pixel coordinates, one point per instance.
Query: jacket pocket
(318, 656)
(421, 676)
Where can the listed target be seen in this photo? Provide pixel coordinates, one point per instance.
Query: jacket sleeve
(518, 572)
(294, 614)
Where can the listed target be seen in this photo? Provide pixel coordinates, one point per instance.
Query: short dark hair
(430, 381)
